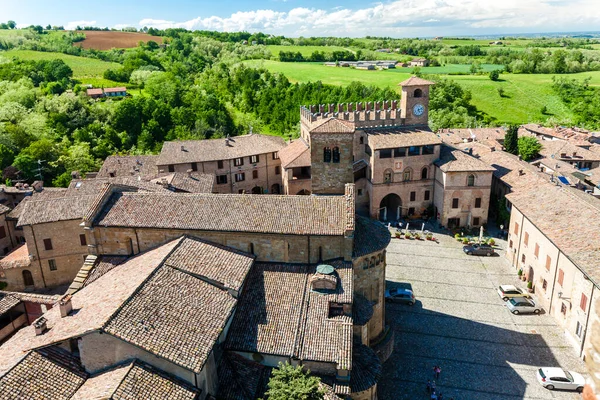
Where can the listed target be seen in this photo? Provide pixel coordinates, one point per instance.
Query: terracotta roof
(103, 385)
(87, 187)
(241, 379)
(416, 81)
(392, 137)
(193, 182)
(45, 374)
(4, 209)
(555, 149)
(18, 258)
(296, 154)
(217, 149)
(279, 314)
(470, 135)
(7, 302)
(104, 264)
(59, 209)
(94, 91)
(332, 125)
(454, 160)
(370, 236)
(33, 297)
(218, 264)
(314, 215)
(16, 212)
(144, 166)
(366, 368)
(174, 316)
(115, 89)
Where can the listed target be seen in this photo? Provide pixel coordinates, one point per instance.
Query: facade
(96, 93)
(419, 62)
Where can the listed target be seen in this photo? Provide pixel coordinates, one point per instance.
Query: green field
(86, 70)
(525, 95)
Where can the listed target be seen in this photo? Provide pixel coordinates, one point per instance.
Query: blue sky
(400, 18)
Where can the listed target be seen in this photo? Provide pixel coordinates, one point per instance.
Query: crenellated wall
(368, 114)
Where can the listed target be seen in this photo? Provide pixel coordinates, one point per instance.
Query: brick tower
(415, 100)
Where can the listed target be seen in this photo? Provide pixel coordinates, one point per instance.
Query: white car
(521, 305)
(507, 291)
(558, 378)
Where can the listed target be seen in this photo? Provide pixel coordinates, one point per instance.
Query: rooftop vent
(563, 155)
(521, 173)
(574, 154)
(40, 325)
(66, 305)
(325, 279)
(182, 148)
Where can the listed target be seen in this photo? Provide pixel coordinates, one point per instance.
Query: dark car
(400, 295)
(479, 250)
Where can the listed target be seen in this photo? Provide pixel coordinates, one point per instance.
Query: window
(277, 170)
(471, 180)
(52, 265)
(48, 244)
(240, 177)
(478, 202)
(407, 174)
(429, 149)
(254, 174)
(516, 231)
(220, 164)
(82, 240)
(6, 250)
(548, 262)
(362, 140)
(526, 240)
(326, 154)
(454, 203)
(194, 166)
(171, 168)
(414, 151)
(360, 192)
(561, 277)
(336, 154)
(418, 93)
(400, 152)
(221, 179)
(2, 232)
(251, 248)
(427, 194)
(275, 155)
(536, 252)
(27, 278)
(523, 258)
(413, 196)
(387, 176)
(476, 221)
(424, 173)
(579, 330)
(385, 153)
(563, 308)
(583, 302)
(411, 211)
(545, 284)
(254, 159)
(238, 162)
(510, 244)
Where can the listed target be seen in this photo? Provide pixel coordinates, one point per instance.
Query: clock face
(418, 110)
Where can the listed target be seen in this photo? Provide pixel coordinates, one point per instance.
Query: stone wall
(369, 280)
(330, 177)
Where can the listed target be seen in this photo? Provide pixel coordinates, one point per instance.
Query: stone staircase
(82, 275)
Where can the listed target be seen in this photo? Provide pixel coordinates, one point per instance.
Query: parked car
(479, 250)
(509, 291)
(400, 295)
(558, 378)
(522, 305)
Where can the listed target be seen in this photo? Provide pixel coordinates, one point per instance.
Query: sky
(293, 18)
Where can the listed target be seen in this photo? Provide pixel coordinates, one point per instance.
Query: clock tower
(415, 101)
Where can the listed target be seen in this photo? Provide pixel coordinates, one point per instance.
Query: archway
(390, 207)
(424, 173)
(530, 274)
(275, 188)
(303, 192)
(27, 278)
(418, 93)
(257, 190)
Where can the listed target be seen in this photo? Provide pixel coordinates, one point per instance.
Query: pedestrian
(437, 371)
(433, 386)
(440, 396)
(429, 387)
(434, 396)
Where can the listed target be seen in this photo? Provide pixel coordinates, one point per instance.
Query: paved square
(461, 324)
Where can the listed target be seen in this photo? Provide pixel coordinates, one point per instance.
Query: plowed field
(106, 40)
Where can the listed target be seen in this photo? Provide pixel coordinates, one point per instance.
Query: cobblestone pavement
(461, 324)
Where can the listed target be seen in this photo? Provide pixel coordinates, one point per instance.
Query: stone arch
(27, 278)
(390, 207)
(276, 188)
(303, 192)
(418, 93)
(424, 173)
(326, 154)
(407, 174)
(471, 180)
(257, 190)
(388, 176)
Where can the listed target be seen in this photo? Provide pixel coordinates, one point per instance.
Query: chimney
(492, 148)
(189, 172)
(182, 148)
(470, 151)
(521, 173)
(66, 305)
(574, 154)
(40, 325)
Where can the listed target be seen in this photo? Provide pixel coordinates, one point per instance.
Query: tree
(495, 75)
(529, 147)
(11, 24)
(511, 140)
(293, 383)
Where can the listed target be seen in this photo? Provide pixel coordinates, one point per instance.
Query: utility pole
(39, 170)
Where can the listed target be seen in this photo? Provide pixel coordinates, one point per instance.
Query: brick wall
(330, 177)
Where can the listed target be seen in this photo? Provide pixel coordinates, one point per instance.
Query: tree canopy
(293, 383)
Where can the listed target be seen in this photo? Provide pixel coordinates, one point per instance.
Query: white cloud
(122, 26)
(71, 26)
(407, 18)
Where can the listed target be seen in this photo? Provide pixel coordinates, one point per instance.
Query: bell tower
(415, 101)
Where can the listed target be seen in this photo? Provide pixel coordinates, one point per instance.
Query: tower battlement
(363, 115)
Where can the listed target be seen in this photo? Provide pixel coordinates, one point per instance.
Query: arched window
(327, 154)
(471, 180)
(424, 173)
(387, 176)
(27, 278)
(407, 174)
(336, 154)
(418, 93)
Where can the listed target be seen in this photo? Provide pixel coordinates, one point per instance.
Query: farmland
(106, 40)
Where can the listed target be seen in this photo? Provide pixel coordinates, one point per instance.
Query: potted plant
(407, 235)
(520, 272)
(491, 242)
(398, 235)
(417, 236)
(429, 236)
(465, 241)
(457, 237)
(530, 287)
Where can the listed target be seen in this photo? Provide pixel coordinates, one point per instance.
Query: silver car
(558, 378)
(521, 305)
(400, 295)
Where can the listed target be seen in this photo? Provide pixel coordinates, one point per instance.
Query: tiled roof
(392, 137)
(59, 209)
(358, 165)
(7, 301)
(241, 379)
(45, 374)
(470, 135)
(512, 171)
(103, 385)
(94, 91)
(454, 160)
(16, 212)
(279, 314)
(370, 236)
(102, 266)
(217, 149)
(18, 258)
(296, 154)
(332, 125)
(215, 263)
(366, 368)
(175, 316)
(416, 81)
(193, 182)
(315, 215)
(143, 166)
(115, 89)
(86, 187)
(555, 149)
(4, 209)
(33, 297)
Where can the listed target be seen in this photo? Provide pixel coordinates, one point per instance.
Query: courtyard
(460, 323)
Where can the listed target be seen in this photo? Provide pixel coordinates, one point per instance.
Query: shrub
(529, 285)
(495, 75)
(501, 92)
(457, 237)
(465, 241)
(520, 272)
